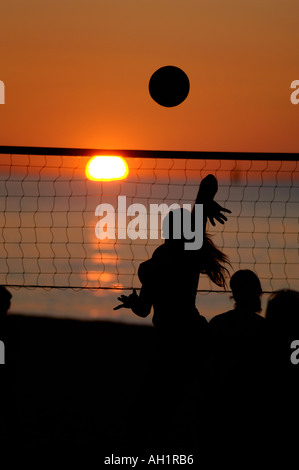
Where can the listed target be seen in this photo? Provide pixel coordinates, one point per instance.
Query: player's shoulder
(145, 270)
(259, 318)
(222, 318)
(149, 267)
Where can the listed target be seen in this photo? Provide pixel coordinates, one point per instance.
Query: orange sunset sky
(76, 73)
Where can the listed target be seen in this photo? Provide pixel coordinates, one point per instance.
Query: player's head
(246, 289)
(5, 297)
(173, 226)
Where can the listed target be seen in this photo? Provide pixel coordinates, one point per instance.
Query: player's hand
(208, 188)
(214, 211)
(128, 301)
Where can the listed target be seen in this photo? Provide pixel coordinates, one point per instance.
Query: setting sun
(106, 168)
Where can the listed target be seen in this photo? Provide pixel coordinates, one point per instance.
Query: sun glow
(106, 168)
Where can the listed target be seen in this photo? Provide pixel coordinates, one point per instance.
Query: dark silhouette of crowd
(225, 376)
(227, 388)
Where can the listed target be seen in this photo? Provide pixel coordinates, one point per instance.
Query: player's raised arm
(211, 209)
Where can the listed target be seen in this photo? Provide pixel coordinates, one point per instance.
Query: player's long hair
(213, 262)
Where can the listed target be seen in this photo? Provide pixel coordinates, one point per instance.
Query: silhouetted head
(173, 227)
(247, 290)
(5, 297)
(282, 312)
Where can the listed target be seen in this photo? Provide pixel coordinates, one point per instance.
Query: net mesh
(48, 221)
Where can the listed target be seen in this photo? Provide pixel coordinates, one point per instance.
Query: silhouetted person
(5, 300)
(169, 284)
(282, 315)
(5, 376)
(282, 318)
(238, 334)
(238, 343)
(170, 278)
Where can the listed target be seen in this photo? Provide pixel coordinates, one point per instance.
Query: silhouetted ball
(169, 86)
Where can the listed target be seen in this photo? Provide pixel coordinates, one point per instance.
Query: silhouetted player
(5, 379)
(169, 283)
(238, 335)
(282, 318)
(238, 344)
(5, 298)
(282, 315)
(170, 278)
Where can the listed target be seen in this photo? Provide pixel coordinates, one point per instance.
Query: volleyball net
(49, 215)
